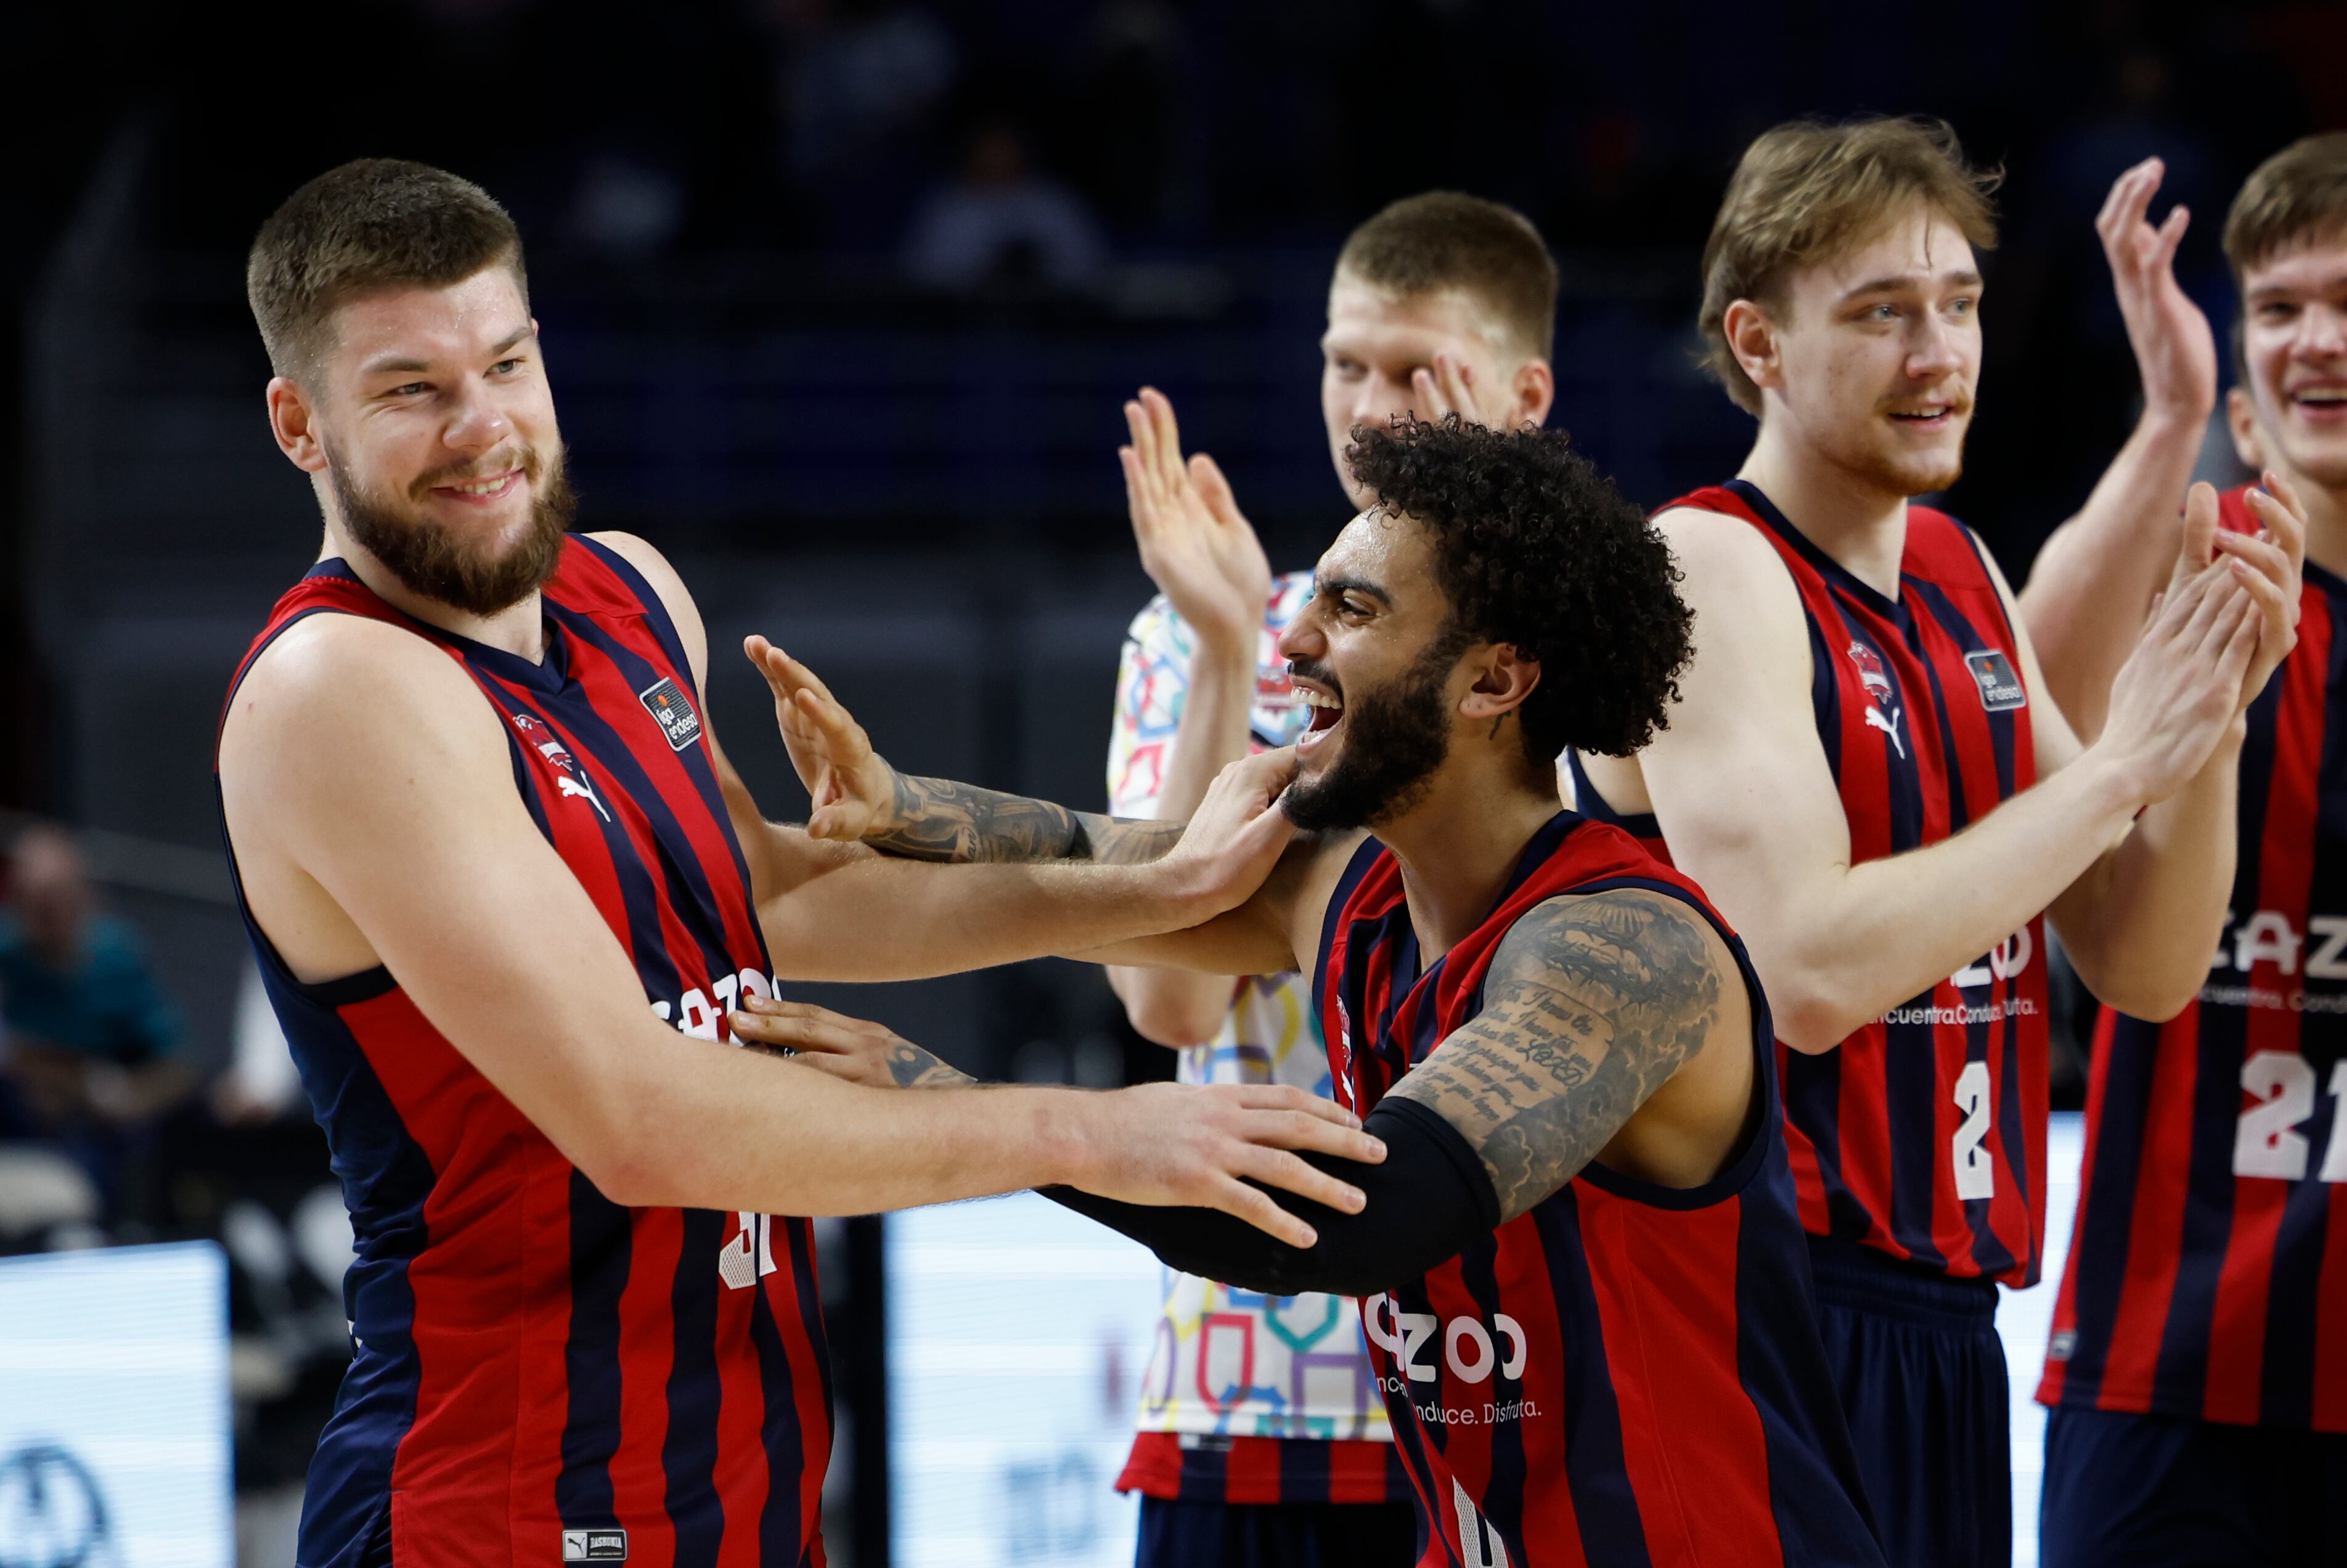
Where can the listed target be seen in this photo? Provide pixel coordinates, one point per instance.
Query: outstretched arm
(369, 794)
(1599, 1007)
(2092, 585)
(838, 911)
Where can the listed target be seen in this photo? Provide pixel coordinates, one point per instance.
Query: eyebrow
(1965, 279)
(1333, 585)
(385, 366)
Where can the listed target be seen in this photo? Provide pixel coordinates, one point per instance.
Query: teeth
(1316, 698)
(482, 487)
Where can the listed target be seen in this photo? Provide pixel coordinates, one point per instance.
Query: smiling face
(431, 420)
(1374, 656)
(2292, 412)
(1376, 341)
(1870, 359)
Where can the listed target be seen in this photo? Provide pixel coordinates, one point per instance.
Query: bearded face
(477, 571)
(1395, 736)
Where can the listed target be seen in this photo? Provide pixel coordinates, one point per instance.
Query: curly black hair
(1535, 548)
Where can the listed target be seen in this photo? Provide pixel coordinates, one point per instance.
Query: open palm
(1195, 544)
(853, 788)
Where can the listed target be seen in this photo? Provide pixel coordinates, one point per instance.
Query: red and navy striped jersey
(540, 1375)
(2208, 1269)
(1199, 1466)
(1923, 1134)
(1626, 1374)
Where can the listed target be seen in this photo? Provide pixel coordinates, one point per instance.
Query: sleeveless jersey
(1923, 1134)
(539, 1375)
(2208, 1272)
(1626, 1374)
(1248, 1398)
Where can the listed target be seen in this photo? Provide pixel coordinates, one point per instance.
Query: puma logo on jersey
(1882, 710)
(677, 719)
(594, 1546)
(571, 780)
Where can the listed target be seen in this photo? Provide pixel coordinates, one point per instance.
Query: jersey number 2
(1975, 1174)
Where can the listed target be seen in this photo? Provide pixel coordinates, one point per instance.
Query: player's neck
(1458, 845)
(518, 629)
(1857, 522)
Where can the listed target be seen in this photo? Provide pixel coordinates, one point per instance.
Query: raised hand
(2175, 352)
(854, 789)
(1195, 544)
(1237, 835)
(1449, 387)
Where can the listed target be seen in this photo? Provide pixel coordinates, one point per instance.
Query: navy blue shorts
(2164, 1492)
(1177, 1534)
(1922, 1381)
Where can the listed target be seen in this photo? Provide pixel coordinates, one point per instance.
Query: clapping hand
(1195, 544)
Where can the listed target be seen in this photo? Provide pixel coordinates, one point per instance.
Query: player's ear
(1536, 391)
(1504, 678)
(1752, 339)
(2241, 419)
(292, 420)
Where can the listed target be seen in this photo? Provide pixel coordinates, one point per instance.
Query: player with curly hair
(1580, 1261)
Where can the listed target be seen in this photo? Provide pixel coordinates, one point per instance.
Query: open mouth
(2324, 400)
(1327, 713)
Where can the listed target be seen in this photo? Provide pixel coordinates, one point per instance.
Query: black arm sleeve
(1429, 1200)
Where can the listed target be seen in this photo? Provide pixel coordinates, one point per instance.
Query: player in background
(1582, 1270)
(1434, 299)
(505, 890)
(1864, 774)
(2198, 1368)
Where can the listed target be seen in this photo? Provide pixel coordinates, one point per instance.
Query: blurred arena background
(841, 298)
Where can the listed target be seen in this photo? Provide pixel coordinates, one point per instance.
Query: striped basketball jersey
(539, 1375)
(1625, 1374)
(1923, 1134)
(2207, 1271)
(1247, 1398)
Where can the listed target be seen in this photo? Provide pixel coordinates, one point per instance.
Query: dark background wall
(912, 482)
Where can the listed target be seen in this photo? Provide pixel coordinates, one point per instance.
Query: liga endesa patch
(2000, 686)
(677, 719)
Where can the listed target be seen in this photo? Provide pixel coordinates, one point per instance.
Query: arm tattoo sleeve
(936, 819)
(1592, 1003)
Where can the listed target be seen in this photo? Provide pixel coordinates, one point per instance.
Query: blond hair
(1806, 191)
(1447, 240)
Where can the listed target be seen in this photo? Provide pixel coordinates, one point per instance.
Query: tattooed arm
(936, 819)
(1595, 1008)
(1616, 1028)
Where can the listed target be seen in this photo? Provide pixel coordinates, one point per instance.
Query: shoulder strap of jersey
(595, 579)
(1369, 858)
(328, 587)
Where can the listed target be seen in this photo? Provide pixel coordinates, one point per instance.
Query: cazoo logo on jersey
(748, 1255)
(1469, 1350)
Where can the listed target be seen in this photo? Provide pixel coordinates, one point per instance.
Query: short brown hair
(373, 223)
(1449, 240)
(2297, 196)
(1806, 189)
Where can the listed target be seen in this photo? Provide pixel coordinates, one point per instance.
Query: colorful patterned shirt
(1247, 1398)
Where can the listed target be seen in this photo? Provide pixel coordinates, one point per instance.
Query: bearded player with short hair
(1262, 1439)
(1863, 773)
(2198, 1367)
(504, 890)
